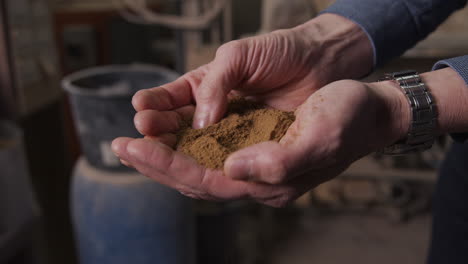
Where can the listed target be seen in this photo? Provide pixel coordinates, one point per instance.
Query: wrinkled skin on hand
(278, 69)
(335, 126)
(282, 69)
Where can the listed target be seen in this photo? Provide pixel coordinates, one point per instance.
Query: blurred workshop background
(68, 69)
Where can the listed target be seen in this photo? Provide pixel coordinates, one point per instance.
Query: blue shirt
(394, 26)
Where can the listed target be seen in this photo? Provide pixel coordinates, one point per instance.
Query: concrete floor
(354, 238)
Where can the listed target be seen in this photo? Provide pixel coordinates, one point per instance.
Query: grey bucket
(101, 101)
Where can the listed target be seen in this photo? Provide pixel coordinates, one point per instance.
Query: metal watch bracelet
(421, 133)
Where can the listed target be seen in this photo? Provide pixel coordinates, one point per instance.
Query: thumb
(224, 75)
(267, 162)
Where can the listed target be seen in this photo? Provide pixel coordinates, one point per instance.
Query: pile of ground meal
(246, 123)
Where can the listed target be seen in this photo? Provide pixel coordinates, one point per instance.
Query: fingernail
(126, 163)
(115, 147)
(190, 195)
(200, 124)
(136, 149)
(239, 168)
(202, 120)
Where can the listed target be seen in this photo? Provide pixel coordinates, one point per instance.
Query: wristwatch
(421, 133)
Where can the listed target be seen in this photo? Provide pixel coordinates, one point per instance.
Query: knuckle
(205, 95)
(276, 171)
(231, 48)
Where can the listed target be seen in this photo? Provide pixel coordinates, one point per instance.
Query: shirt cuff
(383, 24)
(460, 65)
(341, 11)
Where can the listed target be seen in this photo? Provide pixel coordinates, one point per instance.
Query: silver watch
(421, 133)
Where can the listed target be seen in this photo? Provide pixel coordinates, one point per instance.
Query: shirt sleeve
(394, 26)
(460, 65)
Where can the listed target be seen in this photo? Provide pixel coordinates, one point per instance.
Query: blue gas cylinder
(126, 218)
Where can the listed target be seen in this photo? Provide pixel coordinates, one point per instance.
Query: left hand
(334, 127)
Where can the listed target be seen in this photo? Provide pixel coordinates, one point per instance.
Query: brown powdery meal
(246, 123)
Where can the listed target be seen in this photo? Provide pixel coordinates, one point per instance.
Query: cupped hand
(335, 126)
(281, 69)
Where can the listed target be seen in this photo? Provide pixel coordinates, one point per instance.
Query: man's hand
(281, 69)
(335, 126)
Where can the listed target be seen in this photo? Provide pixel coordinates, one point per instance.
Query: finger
(211, 99)
(179, 171)
(211, 96)
(171, 95)
(168, 139)
(119, 146)
(126, 163)
(186, 112)
(153, 122)
(267, 162)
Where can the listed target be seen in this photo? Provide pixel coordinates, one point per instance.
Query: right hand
(335, 126)
(280, 69)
